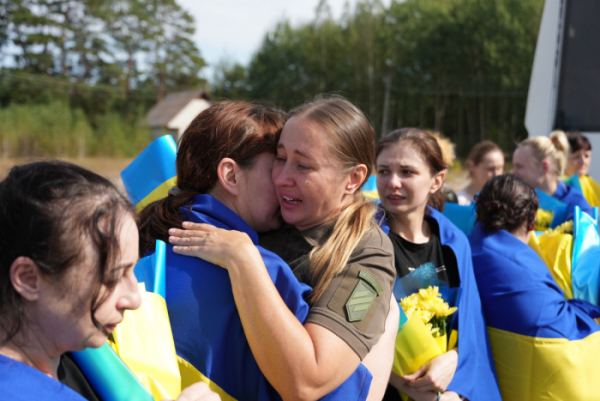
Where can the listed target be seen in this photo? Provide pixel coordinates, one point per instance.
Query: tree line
(460, 67)
(94, 63)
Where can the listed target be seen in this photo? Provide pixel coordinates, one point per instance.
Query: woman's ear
(546, 166)
(26, 278)
(228, 171)
(356, 179)
(470, 165)
(438, 181)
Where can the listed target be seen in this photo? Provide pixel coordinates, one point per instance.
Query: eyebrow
(299, 152)
(124, 266)
(406, 166)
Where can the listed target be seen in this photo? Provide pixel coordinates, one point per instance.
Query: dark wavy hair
(429, 149)
(238, 130)
(578, 141)
(50, 212)
(505, 203)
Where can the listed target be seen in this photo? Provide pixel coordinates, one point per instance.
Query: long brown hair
(352, 141)
(429, 149)
(237, 130)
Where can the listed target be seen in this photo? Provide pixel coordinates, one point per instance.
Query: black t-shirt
(71, 376)
(409, 256)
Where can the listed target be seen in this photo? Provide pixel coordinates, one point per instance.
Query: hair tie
(497, 217)
(174, 190)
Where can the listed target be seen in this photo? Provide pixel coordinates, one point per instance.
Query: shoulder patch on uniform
(371, 280)
(362, 298)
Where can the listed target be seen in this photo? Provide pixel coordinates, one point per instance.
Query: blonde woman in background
(540, 162)
(485, 162)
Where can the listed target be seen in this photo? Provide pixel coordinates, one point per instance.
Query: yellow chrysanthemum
(428, 306)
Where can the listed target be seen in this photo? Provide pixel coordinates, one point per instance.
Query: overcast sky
(234, 29)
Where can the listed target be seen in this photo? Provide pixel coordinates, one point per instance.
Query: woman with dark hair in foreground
(68, 246)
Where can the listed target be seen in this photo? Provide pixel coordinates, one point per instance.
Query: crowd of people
(280, 273)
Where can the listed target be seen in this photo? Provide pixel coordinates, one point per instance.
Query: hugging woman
(249, 327)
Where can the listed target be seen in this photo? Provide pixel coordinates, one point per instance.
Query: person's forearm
(282, 346)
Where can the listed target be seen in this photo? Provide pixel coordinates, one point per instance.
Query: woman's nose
(395, 181)
(130, 297)
(281, 176)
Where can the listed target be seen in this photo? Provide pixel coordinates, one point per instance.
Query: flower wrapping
(425, 317)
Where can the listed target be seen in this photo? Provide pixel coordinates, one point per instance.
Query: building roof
(165, 110)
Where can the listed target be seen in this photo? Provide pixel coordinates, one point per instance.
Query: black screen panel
(578, 102)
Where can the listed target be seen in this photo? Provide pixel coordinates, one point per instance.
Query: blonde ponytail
(561, 143)
(329, 259)
(555, 148)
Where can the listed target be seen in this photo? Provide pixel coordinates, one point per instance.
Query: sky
(234, 29)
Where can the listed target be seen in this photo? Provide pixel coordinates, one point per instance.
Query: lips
(293, 201)
(395, 199)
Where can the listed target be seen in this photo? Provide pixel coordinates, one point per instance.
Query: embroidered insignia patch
(362, 297)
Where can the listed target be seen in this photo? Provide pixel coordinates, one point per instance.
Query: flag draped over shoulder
(587, 186)
(207, 328)
(475, 377)
(545, 347)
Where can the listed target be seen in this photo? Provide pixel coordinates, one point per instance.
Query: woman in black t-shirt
(410, 173)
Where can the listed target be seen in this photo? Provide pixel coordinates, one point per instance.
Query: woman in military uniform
(324, 156)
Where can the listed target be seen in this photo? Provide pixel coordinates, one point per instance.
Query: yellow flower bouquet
(422, 334)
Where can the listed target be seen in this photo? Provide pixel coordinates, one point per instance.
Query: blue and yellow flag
(461, 216)
(150, 175)
(545, 347)
(585, 273)
(587, 186)
(559, 209)
(370, 188)
(590, 190)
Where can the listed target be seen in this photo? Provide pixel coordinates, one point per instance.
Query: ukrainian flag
(370, 188)
(585, 273)
(461, 216)
(558, 208)
(150, 175)
(587, 186)
(545, 347)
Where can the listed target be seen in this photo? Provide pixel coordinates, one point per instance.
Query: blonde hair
(447, 147)
(555, 148)
(352, 142)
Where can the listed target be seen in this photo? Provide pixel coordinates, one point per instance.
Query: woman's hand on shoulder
(198, 392)
(435, 375)
(215, 245)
